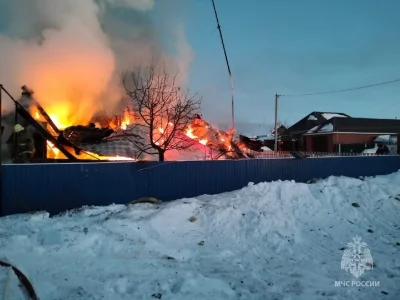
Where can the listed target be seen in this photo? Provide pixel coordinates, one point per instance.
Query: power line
(227, 63)
(343, 90)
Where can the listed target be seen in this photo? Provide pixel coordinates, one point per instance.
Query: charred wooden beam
(28, 93)
(47, 118)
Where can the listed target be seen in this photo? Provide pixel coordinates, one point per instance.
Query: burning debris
(86, 134)
(219, 141)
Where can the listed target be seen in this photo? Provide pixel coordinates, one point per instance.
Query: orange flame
(59, 123)
(189, 133)
(126, 120)
(53, 149)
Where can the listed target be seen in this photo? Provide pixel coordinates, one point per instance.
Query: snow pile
(279, 240)
(9, 285)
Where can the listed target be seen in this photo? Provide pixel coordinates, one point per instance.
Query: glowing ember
(118, 158)
(55, 153)
(203, 142)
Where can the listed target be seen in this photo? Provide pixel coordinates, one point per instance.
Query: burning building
(33, 135)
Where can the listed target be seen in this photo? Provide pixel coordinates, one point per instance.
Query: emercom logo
(356, 260)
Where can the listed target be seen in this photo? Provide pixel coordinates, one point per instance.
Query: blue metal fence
(58, 187)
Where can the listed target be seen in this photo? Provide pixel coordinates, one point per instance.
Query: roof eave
(344, 132)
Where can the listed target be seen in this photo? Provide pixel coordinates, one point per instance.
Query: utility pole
(276, 122)
(227, 64)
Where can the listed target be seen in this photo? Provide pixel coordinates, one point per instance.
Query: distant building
(293, 138)
(351, 134)
(268, 140)
(338, 132)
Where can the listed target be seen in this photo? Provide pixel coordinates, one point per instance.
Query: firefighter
(25, 147)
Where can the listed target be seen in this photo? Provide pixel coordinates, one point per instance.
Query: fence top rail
(162, 163)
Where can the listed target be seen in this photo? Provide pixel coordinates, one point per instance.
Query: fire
(189, 133)
(126, 120)
(55, 153)
(53, 149)
(161, 139)
(201, 132)
(118, 158)
(61, 124)
(218, 140)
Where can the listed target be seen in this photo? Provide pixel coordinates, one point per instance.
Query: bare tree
(161, 109)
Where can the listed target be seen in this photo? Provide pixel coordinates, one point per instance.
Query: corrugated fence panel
(355, 166)
(58, 187)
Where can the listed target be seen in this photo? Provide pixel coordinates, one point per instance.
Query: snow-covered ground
(274, 241)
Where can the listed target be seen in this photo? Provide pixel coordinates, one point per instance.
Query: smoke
(71, 52)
